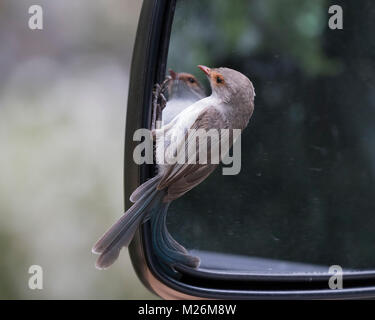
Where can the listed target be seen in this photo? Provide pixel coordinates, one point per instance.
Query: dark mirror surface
(305, 193)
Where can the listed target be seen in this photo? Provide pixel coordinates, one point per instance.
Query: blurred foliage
(248, 28)
(305, 192)
(62, 113)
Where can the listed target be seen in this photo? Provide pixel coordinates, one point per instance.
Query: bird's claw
(159, 102)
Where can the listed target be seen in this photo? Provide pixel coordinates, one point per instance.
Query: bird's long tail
(122, 232)
(148, 203)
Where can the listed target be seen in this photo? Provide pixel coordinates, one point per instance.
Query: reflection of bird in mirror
(230, 106)
(183, 90)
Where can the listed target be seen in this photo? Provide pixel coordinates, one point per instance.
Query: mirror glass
(305, 193)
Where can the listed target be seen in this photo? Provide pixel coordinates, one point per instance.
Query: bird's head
(185, 85)
(228, 84)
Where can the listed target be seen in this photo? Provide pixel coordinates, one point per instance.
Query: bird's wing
(181, 177)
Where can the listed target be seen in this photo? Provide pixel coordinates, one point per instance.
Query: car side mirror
(297, 221)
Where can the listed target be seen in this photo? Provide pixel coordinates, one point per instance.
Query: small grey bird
(230, 106)
(183, 90)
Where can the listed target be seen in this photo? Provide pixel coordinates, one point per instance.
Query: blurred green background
(63, 94)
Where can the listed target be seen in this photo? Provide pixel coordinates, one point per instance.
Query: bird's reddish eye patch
(188, 78)
(217, 78)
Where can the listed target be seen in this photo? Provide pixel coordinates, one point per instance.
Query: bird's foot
(159, 102)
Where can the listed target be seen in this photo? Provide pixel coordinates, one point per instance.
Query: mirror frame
(148, 67)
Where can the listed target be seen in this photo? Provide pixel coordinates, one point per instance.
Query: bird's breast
(174, 138)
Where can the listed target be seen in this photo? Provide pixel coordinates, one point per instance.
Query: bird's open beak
(205, 69)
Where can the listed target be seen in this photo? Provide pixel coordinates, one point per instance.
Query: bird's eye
(191, 80)
(219, 80)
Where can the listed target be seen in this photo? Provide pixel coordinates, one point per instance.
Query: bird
(230, 106)
(183, 90)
